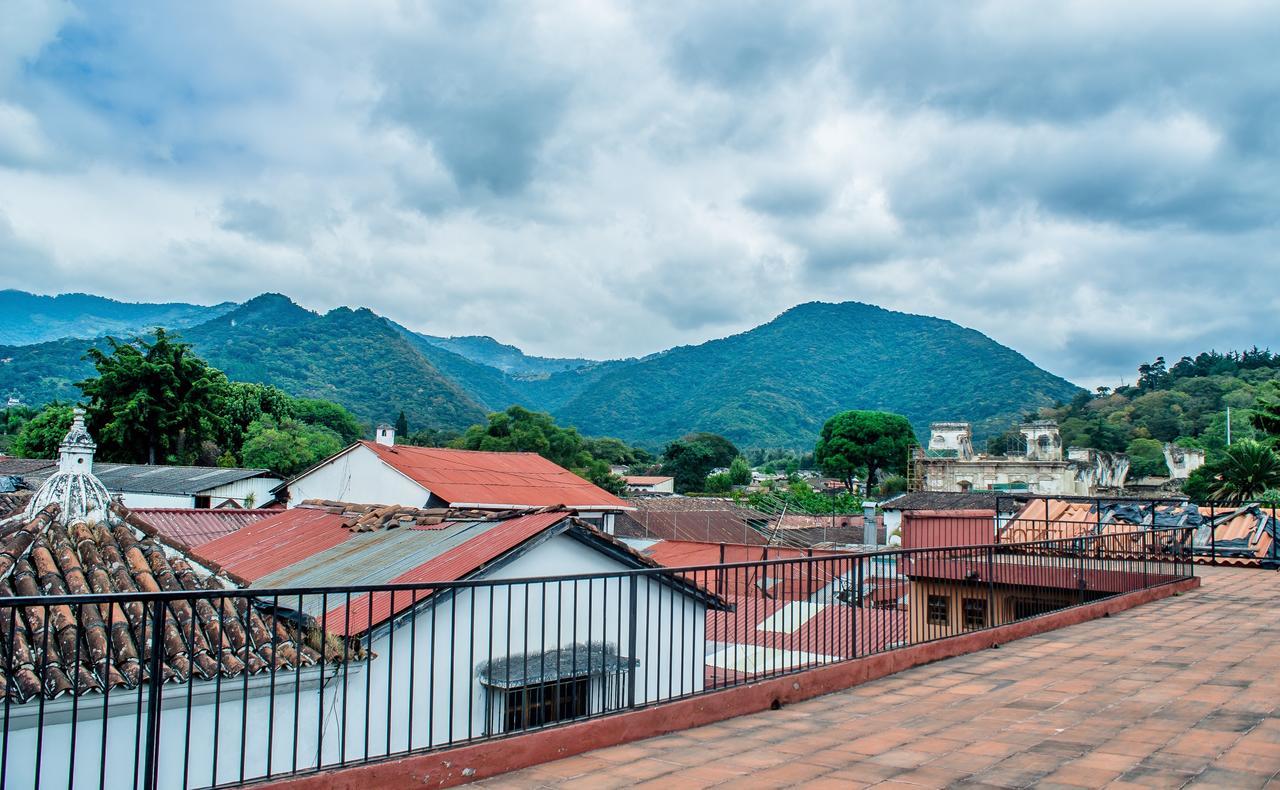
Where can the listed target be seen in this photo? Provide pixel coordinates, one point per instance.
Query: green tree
(1146, 459)
(598, 472)
(1266, 411)
(153, 398)
(40, 436)
(720, 483)
(287, 447)
(520, 430)
(247, 402)
(853, 440)
(327, 414)
(691, 458)
(1247, 470)
(739, 472)
(402, 424)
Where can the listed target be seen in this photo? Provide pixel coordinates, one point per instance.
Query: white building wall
(254, 492)
(136, 500)
(431, 702)
(357, 476)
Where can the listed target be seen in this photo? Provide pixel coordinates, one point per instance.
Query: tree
(287, 447)
(720, 483)
(402, 424)
(153, 398)
(1248, 469)
(40, 436)
(1266, 411)
(1146, 458)
(597, 471)
(690, 458)
(328, 414)
(852, 440)
(519, 430)
(739, 472)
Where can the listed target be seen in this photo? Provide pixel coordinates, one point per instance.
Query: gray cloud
(1089, 183)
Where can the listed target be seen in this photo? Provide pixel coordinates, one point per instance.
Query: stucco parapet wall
(453, 767)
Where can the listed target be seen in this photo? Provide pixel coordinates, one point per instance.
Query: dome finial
(80, 495)
(75, 454)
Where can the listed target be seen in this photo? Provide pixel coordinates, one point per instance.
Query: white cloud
(1079, 181)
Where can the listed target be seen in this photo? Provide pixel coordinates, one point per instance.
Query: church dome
(81, 496)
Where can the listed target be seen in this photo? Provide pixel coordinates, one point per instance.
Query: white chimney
(385, 434)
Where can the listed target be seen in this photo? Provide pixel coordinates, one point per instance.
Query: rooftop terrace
(1178, 692)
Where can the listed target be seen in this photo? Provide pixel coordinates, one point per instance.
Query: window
(939, 606)
(202, 502)
(975, 613)
(545, 703)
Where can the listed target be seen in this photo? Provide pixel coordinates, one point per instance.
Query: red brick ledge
(452, 767)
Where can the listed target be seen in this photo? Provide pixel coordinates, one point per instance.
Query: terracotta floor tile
(1181, 691)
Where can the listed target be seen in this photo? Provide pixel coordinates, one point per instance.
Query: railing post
(631, 640)
(991, 586)
(1213, 537)
(155, 687)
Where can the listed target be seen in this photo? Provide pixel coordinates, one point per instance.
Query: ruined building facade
(949, 463)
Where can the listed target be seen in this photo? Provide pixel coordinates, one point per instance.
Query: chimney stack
(385, 434)
(869, 528)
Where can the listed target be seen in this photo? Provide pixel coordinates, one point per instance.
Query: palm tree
(1247, 470)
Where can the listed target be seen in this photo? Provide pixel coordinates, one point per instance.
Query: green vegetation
(769, 387)
(864, 443)
(29, 318)
(691, 458)
(151, 399)
(799, 497)
(520, 430)
(154, 400)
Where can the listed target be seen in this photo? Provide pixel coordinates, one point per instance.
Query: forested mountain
(771, 386)
(29, 318)
(506, 358)
(775, 385)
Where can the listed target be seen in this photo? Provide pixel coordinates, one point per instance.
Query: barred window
(975, 613)
(939, 610)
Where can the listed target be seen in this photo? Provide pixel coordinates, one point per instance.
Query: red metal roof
(455, 564)
(197, 526)
(933, 528)
(484, 479)
(276, 542)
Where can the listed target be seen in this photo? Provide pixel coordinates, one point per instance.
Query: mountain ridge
(772, 385)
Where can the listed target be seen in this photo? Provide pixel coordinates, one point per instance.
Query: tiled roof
(703, 519)
(1241, 536)
(197, 526)
(106, 646)
(471, 478)
(645, 480)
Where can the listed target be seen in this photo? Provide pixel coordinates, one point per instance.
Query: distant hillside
(349, 356)
(772, 386)
(775, 385)
(508, 359)
(29, 318)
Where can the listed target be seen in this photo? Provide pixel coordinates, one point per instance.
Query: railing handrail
(284, 593)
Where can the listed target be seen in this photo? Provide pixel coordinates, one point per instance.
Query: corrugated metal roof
(474, 478)
(197, 526)
(276, 542)
(160, 479)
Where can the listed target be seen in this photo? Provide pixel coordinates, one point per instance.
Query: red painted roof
(197, 526)
(276, 542)
(455, 564)
(484, 479)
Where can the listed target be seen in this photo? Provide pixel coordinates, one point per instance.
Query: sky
(1091, 183)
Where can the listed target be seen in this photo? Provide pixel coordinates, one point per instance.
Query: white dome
(81, 495)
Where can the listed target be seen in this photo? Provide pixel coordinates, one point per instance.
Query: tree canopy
(872, 440)
(691, 458)
(153, 398)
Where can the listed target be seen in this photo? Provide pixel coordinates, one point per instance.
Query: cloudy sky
(1092, 183)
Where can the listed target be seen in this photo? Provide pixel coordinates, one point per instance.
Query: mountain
(352, 357)
(772, 386)
(776, 384)
(508, 359)
(30, 318)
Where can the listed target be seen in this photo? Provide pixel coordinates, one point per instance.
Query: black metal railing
(221, 687)
(1244, 534)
